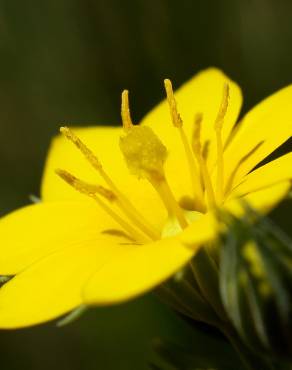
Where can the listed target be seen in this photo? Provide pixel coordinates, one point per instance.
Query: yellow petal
(202, 230)
(261, 131)
(262, 201)
(104, 142)
(35, 231)
(52, 286)
(136, 271)
(271, 173)
(202, 94)
(139, 270)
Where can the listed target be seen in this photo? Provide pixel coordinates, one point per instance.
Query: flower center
(145, 156)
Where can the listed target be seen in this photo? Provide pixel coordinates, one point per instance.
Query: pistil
(145, 156)
(174, 211)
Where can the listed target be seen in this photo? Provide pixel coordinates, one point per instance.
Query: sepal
(184, 295)
(4, 279)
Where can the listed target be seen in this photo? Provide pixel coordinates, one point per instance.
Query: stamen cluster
(145, 156)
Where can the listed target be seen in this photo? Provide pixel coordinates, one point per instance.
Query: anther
(125, 111)
(82, 147)
(176, 118)
(84, 187)
(90, 156)
(196, 139)
(223, 108)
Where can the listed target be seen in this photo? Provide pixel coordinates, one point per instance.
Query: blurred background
(67, 61)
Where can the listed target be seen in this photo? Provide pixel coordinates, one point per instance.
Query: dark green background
(67, 61)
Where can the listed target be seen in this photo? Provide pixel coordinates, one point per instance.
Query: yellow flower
(150, 206)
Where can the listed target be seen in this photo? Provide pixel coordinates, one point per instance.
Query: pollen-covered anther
(176, 118)
(125, 111)
(196, 139)
(144, 153)
(85, 188)
(223, 108)
(82, 147)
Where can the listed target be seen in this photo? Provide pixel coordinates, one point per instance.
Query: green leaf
(256, 284)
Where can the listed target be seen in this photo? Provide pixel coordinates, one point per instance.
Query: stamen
(218, 129)
(196, 143)
(125, 111)
(145, 156)
(88, 154)
(121, 200)
(90, 190)
(84, 187)
(178, 123)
